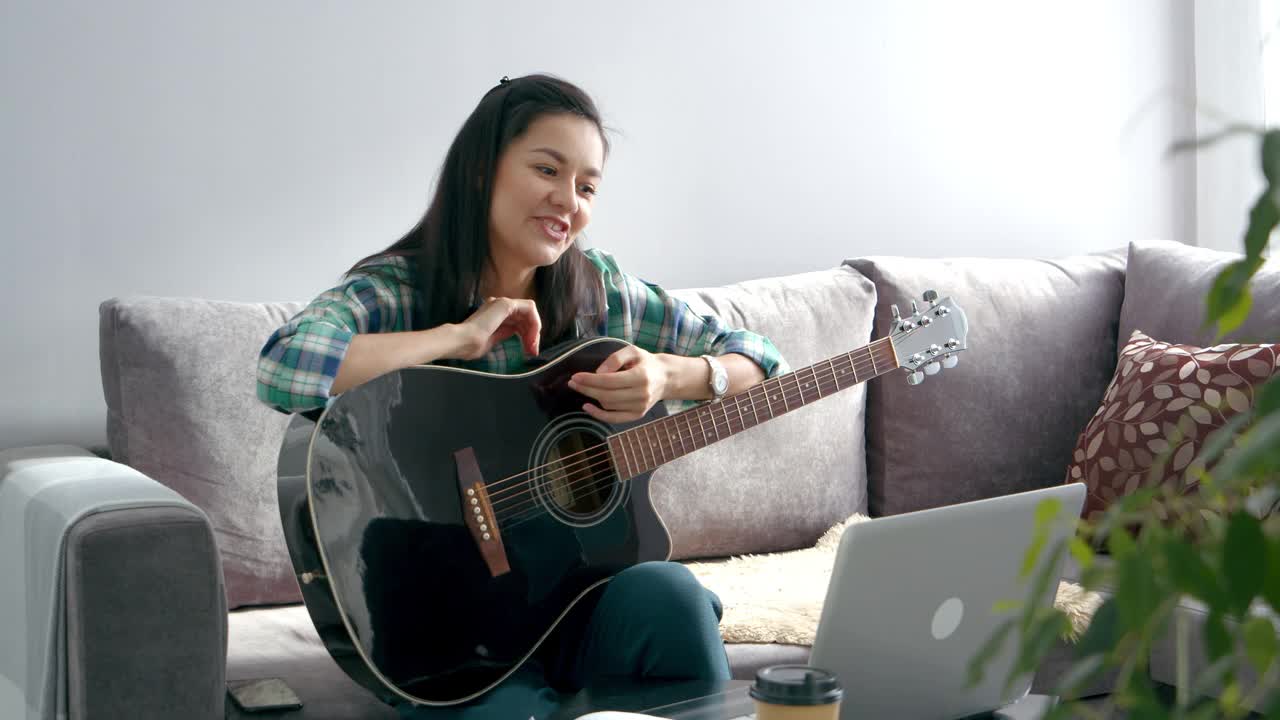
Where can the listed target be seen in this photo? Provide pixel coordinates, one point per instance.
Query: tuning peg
(932, 368)
(893, 310)
(950, 360)
(915, 378)
(915, 310)
(931, 297)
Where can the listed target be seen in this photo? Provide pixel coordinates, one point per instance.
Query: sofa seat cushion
(282, 642)
(1042, 348)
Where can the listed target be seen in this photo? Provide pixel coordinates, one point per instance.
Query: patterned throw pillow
(1163, 402)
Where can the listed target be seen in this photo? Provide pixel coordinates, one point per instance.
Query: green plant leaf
(989, 649)
(1229, 698)
(1001, 607)
(1219, 440)
(1270, 153)
(1191, 574)
(1216, 638)
(1260, 642)
(1040, 586)
(1271, 584)
(1244, 555)
(1050, 624)
(1268, 398)
(1032, 554)
(1137, 592)
(1203, 711)
(1047, 511)
(1138, 500)
(1263, 218)
(1081, 551)
(1228, 302)
(1103, 632)
(1120, 543)
(1209, 140)
(1257, 454)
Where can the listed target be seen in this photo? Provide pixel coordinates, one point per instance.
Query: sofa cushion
(1042, 347)
(282, 642)
(1162, 405)
(178, 376)
(779, 485)
(1165, 289)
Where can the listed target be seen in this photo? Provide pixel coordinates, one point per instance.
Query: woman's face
(543, 191)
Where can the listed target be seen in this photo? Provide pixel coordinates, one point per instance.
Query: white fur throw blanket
(763, 602)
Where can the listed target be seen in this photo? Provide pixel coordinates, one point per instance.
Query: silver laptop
(911, 602)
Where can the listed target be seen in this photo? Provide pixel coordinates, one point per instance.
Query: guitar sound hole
(577, 482)
(579, 478)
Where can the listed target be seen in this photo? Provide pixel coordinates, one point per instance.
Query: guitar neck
(645, 447)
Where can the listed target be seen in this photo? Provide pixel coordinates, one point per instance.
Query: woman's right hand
(496, 320)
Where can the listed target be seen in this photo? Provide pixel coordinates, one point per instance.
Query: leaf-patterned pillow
(1163, 402)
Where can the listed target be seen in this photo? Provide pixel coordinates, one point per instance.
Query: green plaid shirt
(300, 360)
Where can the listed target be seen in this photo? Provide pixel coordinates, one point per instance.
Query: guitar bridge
(477, 513)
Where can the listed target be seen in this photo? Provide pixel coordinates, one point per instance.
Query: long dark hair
(451, 241)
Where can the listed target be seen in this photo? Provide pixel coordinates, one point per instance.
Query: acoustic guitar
(443, 521)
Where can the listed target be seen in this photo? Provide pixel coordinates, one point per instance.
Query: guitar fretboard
(646, 447)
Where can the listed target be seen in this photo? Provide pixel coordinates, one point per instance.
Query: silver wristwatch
(719, 377)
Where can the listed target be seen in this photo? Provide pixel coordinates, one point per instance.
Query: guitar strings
(510, 508)
(495, 494)
(596, 453)
(856, 366)
(532, 510)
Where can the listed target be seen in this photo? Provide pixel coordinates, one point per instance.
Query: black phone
(262, 694)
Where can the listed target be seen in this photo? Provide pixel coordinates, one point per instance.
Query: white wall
(1229, 91)
(250, 151)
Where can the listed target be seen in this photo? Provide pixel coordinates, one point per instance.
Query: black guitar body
(373, 513)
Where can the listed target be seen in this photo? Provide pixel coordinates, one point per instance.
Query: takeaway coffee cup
(796, 692)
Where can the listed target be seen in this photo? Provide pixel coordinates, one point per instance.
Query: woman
(490, 275)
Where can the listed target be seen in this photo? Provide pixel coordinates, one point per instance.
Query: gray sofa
(170, 576)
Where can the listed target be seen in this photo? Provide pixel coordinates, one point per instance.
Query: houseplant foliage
(1217, 544)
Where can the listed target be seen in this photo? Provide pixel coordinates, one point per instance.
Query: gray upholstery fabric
(146, 616)
(1166, 286)
(281, 642)
(179, 380)
(48, 598)
(1042, 339)
(782, 484)
(746, 658)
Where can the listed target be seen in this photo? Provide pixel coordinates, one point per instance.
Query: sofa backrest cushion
(779, 485)
(1165, 290)
(1042, 348)
(179, 380)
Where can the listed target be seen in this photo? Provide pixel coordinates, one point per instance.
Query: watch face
(721, 383)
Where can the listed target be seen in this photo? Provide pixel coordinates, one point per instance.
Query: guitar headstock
(929, 339)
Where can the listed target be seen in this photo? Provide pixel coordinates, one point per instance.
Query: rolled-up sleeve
(659, 322)
(299, 362)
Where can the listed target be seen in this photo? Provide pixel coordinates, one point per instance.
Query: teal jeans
(653, 620)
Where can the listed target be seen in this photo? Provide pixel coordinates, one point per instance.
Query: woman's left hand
(624, 387)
